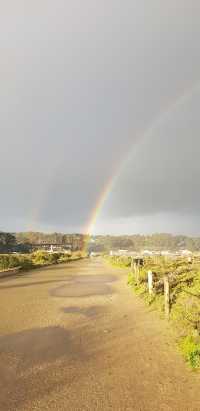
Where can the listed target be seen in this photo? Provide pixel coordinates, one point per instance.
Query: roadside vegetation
(184, 280)
(35, 260)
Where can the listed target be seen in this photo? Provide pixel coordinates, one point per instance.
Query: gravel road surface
(74, 337)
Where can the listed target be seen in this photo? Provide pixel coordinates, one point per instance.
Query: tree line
(139, 242)
(22, 241)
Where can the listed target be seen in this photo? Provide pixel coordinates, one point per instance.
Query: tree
(7, 242)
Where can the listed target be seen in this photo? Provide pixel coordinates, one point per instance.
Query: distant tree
(137, 242)
(7, 242)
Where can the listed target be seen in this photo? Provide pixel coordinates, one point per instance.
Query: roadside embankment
(11, 264)
(171, 286)
(9, 272)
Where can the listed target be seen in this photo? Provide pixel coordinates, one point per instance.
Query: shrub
(4, 261)
(191, 351)
(44, 258)
(12, 261)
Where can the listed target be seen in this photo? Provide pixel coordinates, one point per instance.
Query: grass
(190, 350)
(184, 298)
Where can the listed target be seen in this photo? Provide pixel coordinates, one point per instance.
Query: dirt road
(74, 337)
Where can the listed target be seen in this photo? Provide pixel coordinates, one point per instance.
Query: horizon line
(101, 234)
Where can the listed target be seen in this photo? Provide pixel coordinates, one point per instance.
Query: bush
(25, 262)
(4, 262)
(44, 258)
(37, 259)
(64, 258)
(191, 351)
(11, 261)
(118, 261)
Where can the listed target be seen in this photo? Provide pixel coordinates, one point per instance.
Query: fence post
(132, 265)
(150, 282)
(167, 296)
(137, 273)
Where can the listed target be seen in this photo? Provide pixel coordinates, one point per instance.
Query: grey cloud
(81, 81)
(163, 173)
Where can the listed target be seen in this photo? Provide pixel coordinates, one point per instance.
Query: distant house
(165, 253)
(186, 253)
(122, 252)
(59, 249)
(147, 252)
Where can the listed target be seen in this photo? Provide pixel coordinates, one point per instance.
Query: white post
(150, 282)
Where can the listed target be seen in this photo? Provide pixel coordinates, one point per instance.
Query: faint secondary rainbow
(160, 120)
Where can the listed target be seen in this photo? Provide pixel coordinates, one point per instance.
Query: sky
(94, 95)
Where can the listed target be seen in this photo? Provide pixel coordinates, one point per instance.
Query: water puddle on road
(39, 345)
(89, 312)
(95, 278)
(85, 286)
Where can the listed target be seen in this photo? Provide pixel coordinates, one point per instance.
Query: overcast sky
(92, 89)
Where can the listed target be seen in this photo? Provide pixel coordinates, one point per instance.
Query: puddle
(38, 346)
(95, 278)
(85, 286)
(30, 364)
(89, 312)
(81, 289)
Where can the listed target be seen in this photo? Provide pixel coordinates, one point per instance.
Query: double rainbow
(149, 132)
(161, 119)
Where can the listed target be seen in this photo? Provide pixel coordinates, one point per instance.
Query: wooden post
(136, 270)
(138, 273)
(167, 296)
(132, 265)
(150, 282)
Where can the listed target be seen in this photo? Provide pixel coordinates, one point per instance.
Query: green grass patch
(184, 298)
(190, 350)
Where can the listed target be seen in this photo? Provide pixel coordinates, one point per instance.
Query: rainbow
(161, 119)
(99, 205)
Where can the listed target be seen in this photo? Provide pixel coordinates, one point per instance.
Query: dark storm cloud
(163, 172)
(80, 82)
(160, 182)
